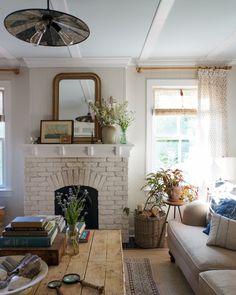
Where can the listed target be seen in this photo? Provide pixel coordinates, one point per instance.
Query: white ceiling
(142, 32)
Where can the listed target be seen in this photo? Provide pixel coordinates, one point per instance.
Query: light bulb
(40, 28)
(66, 38)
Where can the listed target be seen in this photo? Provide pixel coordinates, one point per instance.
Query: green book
(28, 241)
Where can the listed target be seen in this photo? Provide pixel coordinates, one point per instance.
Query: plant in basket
(149, 220)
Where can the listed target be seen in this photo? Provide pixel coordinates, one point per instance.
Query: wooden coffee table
(100, 262)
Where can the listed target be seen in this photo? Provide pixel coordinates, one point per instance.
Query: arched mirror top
(72, 93)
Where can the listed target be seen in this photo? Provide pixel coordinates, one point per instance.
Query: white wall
(20, 128)
(32, 102)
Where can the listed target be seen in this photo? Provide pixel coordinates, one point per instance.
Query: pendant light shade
(46, 27)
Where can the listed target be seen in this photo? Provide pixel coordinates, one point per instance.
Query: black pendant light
(46, 27)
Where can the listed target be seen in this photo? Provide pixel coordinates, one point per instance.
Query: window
(171, 123)
(2, 139)
(5, 98)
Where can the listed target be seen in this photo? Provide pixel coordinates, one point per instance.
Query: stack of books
(83, 233)
(58, 219)
(29, 231)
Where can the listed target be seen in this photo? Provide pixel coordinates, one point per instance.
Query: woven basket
(147, 230)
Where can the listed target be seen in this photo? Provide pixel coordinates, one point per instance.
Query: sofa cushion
(190, 243)
(225, 207)
(217, 282)
(195, 213)
(222, 232)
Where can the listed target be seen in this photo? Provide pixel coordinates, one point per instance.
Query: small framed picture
(52, 131)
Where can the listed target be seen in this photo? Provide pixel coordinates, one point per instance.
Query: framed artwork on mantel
(56, 131)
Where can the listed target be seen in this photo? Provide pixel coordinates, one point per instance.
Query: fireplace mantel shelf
(77, 150)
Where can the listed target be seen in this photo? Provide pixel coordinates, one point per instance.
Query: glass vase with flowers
(72, 205)
(124, 119)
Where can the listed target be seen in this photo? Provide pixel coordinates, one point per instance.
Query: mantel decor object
(110, 114)
(109, 134)
(60, 131)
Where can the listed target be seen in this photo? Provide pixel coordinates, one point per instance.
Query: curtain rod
(140, 69)
(14, 70)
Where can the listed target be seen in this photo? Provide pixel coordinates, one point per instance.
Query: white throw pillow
(222, 232)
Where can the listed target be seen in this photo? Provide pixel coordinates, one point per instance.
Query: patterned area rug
(138, 277)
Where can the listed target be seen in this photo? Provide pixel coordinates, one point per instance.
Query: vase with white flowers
(106, 117)
(109, 114)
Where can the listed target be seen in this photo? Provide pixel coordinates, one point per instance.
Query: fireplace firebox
(90, 211)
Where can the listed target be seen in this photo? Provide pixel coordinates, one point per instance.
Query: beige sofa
(202, 265)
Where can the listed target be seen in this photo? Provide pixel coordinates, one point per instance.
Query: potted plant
(109, 114)
(149, 221)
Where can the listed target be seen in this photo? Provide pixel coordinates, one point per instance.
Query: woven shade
(170, 101)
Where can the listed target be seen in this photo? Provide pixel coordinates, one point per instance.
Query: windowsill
(5, 192)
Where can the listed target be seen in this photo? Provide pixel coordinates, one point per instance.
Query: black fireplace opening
(91, 204)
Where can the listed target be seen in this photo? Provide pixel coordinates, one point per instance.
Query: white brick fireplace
(103, 167)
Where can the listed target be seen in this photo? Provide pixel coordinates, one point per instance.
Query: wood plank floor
(168, 276)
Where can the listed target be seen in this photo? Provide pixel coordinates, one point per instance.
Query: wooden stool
(175, 204)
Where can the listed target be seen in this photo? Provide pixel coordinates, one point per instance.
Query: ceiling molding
(76, 62)
(157, 25)
(8, 58)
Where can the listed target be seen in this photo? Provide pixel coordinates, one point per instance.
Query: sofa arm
(195, 213)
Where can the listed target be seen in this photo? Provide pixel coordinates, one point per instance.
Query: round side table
(175, 204)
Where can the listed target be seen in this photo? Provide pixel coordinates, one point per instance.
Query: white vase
(109, 134)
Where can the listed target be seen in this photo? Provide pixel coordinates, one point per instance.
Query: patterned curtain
(212, 127)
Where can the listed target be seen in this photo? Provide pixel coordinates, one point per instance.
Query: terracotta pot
(109, 134)
(175, 193)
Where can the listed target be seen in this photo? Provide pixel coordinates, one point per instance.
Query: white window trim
(151, 83)
(7, 148)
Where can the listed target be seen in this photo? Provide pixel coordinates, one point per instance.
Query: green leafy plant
(72, 204)
(171, 179)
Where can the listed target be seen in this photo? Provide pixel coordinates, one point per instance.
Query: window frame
(150, 84)
(6, 86)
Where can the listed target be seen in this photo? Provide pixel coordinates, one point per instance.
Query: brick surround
(109, 175)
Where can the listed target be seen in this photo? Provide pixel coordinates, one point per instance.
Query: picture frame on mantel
(56, 131)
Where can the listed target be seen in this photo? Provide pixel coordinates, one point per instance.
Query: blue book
(22, 242)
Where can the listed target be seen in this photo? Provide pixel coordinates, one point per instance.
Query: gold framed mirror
(72, 93)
